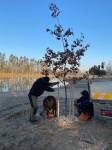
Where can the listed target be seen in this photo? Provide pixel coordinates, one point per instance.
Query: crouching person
(84, 106)
(50, 107)
(40, 85)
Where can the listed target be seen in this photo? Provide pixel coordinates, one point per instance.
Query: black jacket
(84, 98)
(84, 104)
(41, 85)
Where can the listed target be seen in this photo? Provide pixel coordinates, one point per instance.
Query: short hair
(50, 99)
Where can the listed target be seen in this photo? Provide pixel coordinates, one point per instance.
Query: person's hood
(85, 94)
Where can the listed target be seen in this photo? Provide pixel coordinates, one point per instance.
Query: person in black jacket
(84, 105)
(39, 86)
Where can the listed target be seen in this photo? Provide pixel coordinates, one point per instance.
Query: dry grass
(16, 75)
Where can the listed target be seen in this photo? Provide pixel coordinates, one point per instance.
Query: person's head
(49, 102)
(85, 94)
(50, 106)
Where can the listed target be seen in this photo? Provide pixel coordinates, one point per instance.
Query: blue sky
(23, 24)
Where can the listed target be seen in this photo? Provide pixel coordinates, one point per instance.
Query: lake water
(20, 86)
(16, 84)
(24, 84)
(104, 86)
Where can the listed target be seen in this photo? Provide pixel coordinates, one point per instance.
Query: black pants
(86, 108)
(34, 107)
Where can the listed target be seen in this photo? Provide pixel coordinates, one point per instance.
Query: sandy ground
(64, 133)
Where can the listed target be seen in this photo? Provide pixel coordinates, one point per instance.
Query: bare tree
(18, 65)
(2, 62)
(109, 68)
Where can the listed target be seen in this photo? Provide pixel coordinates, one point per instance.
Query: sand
(63, 133)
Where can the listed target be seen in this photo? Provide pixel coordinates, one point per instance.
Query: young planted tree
(60, 63)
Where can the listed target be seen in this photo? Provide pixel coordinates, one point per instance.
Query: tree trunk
(89, 90)
(65, 98)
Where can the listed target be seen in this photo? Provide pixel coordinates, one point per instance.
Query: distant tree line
(26, 65)
(109, 68)
(101, 69)
(18, 64)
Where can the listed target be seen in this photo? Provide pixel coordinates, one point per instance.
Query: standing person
(39, 86)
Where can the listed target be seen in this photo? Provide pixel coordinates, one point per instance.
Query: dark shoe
(34, 121)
